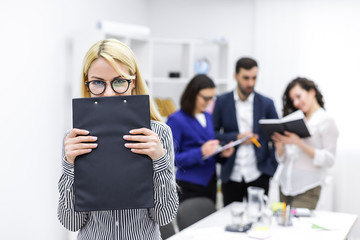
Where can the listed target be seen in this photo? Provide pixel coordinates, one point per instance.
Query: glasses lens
(97, 87)
(206, 99)
(120, 85)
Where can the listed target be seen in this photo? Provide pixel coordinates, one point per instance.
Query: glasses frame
(206, 99)
(87, 83)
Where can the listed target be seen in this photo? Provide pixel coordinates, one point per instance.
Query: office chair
(167, 230)
(194, 209)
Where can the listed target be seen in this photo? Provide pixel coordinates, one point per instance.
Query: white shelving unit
(157, 57)
(179, 55)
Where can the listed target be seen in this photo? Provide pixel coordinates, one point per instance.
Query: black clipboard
(112, 177)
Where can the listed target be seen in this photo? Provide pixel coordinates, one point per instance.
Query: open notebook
(294, 122)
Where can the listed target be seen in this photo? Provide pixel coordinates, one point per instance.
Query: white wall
(206, 19)
(318, 39)
(35, 81)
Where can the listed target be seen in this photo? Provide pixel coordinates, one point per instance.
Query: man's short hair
(246, 63)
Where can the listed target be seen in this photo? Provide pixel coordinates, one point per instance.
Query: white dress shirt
(245, 162)
(301, 172)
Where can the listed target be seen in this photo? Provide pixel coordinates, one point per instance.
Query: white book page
(293, 116)
(269, 121)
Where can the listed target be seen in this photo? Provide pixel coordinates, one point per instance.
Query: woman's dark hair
(196, 84)
(305, 84)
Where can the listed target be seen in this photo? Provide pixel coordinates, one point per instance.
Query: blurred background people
(194, 139)
(305, 160)
(235, 116)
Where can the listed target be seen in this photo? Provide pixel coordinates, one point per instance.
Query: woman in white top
(305, 160)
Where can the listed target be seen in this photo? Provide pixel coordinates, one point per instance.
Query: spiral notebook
(112, 177)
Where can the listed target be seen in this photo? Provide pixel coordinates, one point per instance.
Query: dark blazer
(226, 129)
(189, 136)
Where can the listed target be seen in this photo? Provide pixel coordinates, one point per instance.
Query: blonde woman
(110, 69)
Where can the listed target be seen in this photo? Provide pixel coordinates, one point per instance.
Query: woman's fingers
(210, 147)
(146, 151)
(144, 131)
(74, 153)
(149, 140)
(140, 138)
(145, 142)
(75, 132)
(77, 143)
(80, 139)
(80, 146)
(278, 136)
(139, 145)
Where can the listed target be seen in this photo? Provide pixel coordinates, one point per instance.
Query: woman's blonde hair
(113, 50)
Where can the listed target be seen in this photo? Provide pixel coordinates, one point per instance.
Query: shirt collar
(250, 99)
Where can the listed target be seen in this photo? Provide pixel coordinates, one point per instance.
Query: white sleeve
(325, 156)
(282, 158)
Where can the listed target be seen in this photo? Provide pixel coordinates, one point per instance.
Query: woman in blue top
(194, 139)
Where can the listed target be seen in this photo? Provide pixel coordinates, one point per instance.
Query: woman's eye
(98, 83)
(119, 82)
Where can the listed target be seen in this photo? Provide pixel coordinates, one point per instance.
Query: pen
(254, 141)
(284, 213)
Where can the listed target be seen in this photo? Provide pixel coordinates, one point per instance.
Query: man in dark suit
(235, 116)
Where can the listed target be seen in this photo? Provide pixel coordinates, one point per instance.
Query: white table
(213, 227)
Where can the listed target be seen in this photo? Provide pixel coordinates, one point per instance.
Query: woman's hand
(77, 143)
(287, 138)
(209, 147)
(292, 138)
(147, 143)
(279, 146)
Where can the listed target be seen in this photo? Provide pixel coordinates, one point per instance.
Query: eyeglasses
(205, 98)
(119, 85)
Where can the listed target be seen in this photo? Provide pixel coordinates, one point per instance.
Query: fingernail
(126, 136)
(94, 138)
(126, 144)
(131, 131)
(87, 132)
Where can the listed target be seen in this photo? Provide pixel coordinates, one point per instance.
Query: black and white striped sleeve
(70, 219)
(165, 194)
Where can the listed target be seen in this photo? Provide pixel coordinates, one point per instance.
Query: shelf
(157, 57)
(183, 80)
(169, 80)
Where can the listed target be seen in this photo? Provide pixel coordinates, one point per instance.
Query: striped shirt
(129, 223)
